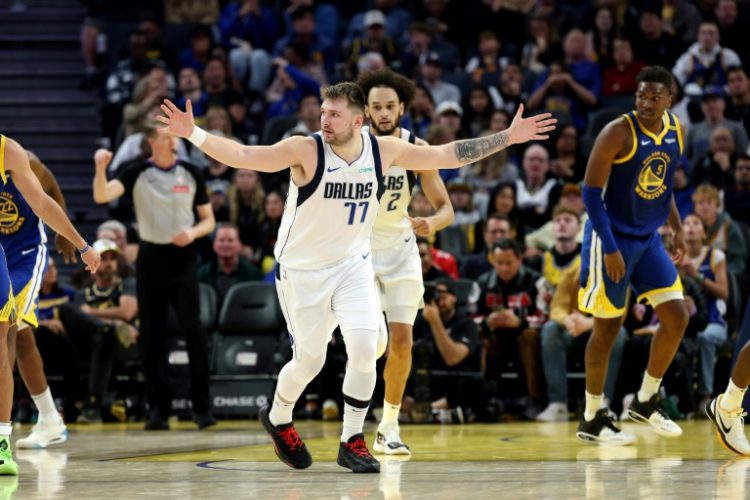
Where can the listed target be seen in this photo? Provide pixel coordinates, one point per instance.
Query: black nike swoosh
(724, 429)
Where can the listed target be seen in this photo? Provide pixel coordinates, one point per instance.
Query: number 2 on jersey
(353, 209)
(392, 204)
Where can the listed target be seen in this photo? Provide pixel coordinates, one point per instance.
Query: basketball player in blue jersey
(395, 256)
(628, 195)
(24, 240)
(15, 161)
(324, 275)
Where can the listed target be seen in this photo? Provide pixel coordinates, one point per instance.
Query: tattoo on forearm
(471, 150)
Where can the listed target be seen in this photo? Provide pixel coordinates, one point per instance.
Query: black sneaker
(602, 430)
(651, 412)
(204, 420)
(354, 455)
(286, 442)
(156, 424)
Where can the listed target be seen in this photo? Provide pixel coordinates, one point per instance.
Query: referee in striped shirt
(166, 193)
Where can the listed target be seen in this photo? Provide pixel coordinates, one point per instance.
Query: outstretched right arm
(274, 158)
(610, 142)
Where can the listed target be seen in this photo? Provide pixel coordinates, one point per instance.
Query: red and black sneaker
(354, 455)
(286, 442)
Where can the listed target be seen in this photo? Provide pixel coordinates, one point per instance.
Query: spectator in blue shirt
(304, 32)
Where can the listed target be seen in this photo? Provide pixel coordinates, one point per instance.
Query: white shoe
(730, 425)
(626, 400)
(388, 441)
(603, 431)
(650, 412)
(43, 434)
(555, 412)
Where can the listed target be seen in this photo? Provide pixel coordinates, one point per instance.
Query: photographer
(451, 341)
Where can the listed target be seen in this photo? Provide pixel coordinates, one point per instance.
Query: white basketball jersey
(331, 218)
(392, 223)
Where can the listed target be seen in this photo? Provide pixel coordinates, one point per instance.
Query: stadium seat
(275, 128)
(601, 117)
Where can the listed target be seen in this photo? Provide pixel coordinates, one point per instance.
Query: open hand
(615, 266)
(179, 123)
(533, 128)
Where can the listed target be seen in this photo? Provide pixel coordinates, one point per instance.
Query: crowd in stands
(506, 272)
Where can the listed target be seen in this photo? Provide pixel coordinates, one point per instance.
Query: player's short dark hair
(656, 74)
(349, 91)
(508, 244)
(387, 78)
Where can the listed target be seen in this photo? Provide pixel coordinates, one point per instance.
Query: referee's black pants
(168, 274)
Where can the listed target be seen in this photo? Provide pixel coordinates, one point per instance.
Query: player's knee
(25, 343)
(677, 319)
(401, 342)
(306, 367)
(361, 349)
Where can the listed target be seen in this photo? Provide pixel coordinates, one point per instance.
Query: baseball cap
(571, 188)
(432, 58)
(374, 17)
(711, 91)
(449, 107)
(104, 245)
(449, 284)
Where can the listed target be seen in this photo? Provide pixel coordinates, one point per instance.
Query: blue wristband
(592, 199)
(84, 249)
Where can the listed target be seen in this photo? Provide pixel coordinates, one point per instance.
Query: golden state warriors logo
(10, 220)
(652, 175)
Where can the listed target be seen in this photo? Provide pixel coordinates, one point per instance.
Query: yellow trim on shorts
(601, 306)
(674, 287)
(21, 302)
(635, 143)
(9, 309)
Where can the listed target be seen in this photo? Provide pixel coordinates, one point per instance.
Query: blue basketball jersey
(20, 228)
(638, 195)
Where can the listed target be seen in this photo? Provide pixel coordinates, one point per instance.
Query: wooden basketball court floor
(234, 460)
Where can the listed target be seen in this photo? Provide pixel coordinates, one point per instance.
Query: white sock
(732, 398)
(354, 420)
(649, 387)
(281, 412)
(46, 406)
(593, 405)
(390, 413)
(5, 429)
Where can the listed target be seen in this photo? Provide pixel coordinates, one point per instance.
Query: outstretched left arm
(459, 153)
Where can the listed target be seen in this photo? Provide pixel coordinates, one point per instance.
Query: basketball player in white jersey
(324, 274)
(395, 256)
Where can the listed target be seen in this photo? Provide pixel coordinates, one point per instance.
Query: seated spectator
(536, 194)
(568, 330)
(217, 118)
(287, 89)
(721, 231)
(116, 231)
(486, 67)
(309, 116)
(269, 230)
(682, 189)
(510, 92)
(738, 106)
(326, 17)
(708, 266)
(731, 26)
(157, 50)
(619, 79)
(201, 43)
(317, 46)
(447, 342)
(375, 39)
(496, 228)
(479, 110)
(712, 106)
(511, 321)
(431, 76)
(737, 195)
(430, 272)
(543, 46)
(563, 253)
(100, 324)
(600, 38)
(567, 164)
(653, 44)
(228, 267)
(450, 114)
(253, 29)
(191, 87)
(571, 87)
(397, 21)
(246, 210)
(705, 63)
(466, 220)
(149, 93)
(503, 202)
(544, 238)
(421, 112)
(715, 166)
(218, 85)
